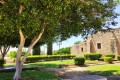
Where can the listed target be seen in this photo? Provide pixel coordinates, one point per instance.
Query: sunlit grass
(50, 64)
(105, 70)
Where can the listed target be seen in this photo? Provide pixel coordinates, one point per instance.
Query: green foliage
(118, 57)
(2, 62)
(93, 56)
(110, 55)
(79, 60)
(36, 58)
(77, 42)
(13, 54)
(108, 59)
(63, 51)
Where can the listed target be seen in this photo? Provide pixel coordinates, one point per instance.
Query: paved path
(89, 77)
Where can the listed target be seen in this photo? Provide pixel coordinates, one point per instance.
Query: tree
(36, 49)
(77, 42)
(6, 40)
(49, 48)
(31, 19)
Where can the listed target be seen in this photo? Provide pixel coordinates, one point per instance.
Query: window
(99, 45)
(81, 49)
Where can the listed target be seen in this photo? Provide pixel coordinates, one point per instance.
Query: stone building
(101, 42)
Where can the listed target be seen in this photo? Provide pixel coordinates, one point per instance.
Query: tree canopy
(30, 19)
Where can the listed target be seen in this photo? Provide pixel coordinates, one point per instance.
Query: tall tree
(31, 19)
(36, 49)
(49, 48)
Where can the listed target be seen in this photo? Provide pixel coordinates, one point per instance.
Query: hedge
(93, 56)
(108, 59)
(79, 60)
(118, 57)
(37, 58)
(110, 55)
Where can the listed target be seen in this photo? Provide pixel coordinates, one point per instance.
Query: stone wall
(101, 42)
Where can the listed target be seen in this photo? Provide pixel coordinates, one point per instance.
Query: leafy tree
(36, 50)
(30, 19)
(77, 42)
(63, 51)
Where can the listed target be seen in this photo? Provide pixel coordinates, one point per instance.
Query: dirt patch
(73, 72)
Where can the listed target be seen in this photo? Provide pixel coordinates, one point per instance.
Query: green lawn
(31, 74)
(50, 64)
(105, 70)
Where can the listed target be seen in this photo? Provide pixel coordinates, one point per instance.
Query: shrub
(37, 58)
(93, 56)
(12, 54)
(2, 62)
(108, 59)
(118, 57)
(110, 55)
(79, 60)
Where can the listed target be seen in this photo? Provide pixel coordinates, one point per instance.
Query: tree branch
(2, 2)
(20, 9)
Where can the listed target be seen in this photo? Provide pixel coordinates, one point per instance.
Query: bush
(110, 55)
(12, 54)
(118, 57)
(93, 56)
(36, 58)
(2, 62)
(108, 59)
(79, 60)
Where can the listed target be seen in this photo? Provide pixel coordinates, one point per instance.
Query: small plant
(118, 57)
(108, 60)
(110, 55)
(79, 60)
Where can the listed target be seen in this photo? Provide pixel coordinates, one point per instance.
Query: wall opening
(82, 49)
(99, 45)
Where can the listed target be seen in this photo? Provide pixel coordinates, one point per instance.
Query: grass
(31, 74)
(50, 64)
(54, 64)
(105, 70)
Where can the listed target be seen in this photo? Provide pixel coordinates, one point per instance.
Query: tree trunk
(17, 75)
(19, 62)
(49, 48)
(4, 49)
(36, 50)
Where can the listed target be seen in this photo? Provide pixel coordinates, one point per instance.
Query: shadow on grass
(105, 73)
(31, 75)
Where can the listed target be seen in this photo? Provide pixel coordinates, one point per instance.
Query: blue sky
(72, 40)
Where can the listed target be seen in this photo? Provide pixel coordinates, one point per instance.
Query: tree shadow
(105, 73)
